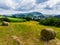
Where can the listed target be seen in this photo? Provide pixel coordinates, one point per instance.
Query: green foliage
(51, 22)
(28, 18)
(4, 19)
(10, 19)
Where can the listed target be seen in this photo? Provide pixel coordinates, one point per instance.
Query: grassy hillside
(11, 19)
(27, 32)
(16, 19)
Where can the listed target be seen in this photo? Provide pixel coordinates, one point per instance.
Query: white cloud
(10, 3)
(19, 5)
(51, 3)
(26, 4)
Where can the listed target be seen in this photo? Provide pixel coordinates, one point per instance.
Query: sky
(22, 6)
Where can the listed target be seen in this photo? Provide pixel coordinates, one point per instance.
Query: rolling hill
(31, 14)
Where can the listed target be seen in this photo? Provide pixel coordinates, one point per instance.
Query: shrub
(57, 22)
(48, 34)
(28, 18)
(5, 19)
(51, 22)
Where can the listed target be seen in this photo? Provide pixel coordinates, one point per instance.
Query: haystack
(4, 23)
(48, 34)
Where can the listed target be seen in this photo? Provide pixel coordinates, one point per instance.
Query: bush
(48, 34)
(4, 19)
(57, 22)
(28, 18)
(51, 22)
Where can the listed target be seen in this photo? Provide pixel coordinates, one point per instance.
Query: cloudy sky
(20, 6)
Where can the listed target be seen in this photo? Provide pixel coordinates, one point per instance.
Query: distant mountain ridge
(57, 16)
(31, 14)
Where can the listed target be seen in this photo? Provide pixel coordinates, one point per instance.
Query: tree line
(51, 22)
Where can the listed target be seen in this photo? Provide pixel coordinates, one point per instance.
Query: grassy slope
(28, 33)
(16, 19)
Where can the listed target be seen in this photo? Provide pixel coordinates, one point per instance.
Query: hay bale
(4, 23)
(48, 34)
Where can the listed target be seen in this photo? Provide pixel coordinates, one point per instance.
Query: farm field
(28, 32)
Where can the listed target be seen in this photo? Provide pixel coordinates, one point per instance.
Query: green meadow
(28, 33)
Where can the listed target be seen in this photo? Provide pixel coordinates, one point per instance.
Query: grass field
(27, 32)
(11, 19)
(16, 19)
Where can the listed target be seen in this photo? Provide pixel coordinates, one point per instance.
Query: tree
(51, 22)
(28, 18)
